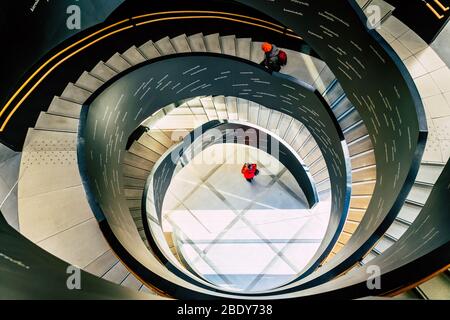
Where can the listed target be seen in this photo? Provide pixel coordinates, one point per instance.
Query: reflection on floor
(238, 235)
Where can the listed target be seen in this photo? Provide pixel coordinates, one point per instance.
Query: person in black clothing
(274, 58)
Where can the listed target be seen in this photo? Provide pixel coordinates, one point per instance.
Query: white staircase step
(324, 80)
(89, 82)
(135, 204)
(52, 122)
(409, 212)
(144, 152)
(257, 55)
(142, 233)
(344, 237)
(152, 144)
(301, 138)
(170, 122)
(429, 173)
(133, 172)
(64, 108)
(307, 147)
(133, 183)
(303, 66)
(263, 119)
(212, 43)
(317, 166)
(134, 193)
(136, 213)
(342, 107)
(228, 45)
(195, 104)
(199, 113)
(208, 105)
(75, 94)
(243, 48)
(360, 202)
(314, 66)
(182, 110)
(242, 107)
(360, 145)
(165, 46)
(363, 188)
(351, 226)
(131, 282)
(419, 194)
(158, 115)
(118, 63)
(100, 266)
(162, 137)
(136, 161)
(180, 44)
(364, 174)
(325, 195)
(396, 230)
(321, 176)
(274, 120)
(283, 127)
(334, 93)
(117, 274)
(231, 105)
(221, 108)
(313, 156)
(146, 290)
(133, 56)
(149, 50)
(103, 72)
(355, 132)
(350, 119)
(356, 214)
(370, 256)
(253, 112)
(384, 244)
(323, 186)
(196, 43)
(200, 119)
(363, 160)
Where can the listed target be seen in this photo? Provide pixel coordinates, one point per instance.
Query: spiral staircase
(58, 202)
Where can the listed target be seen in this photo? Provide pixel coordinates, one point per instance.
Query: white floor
(239, 235)
(432, 78)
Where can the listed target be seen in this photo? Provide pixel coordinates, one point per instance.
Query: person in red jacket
(250, 171)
